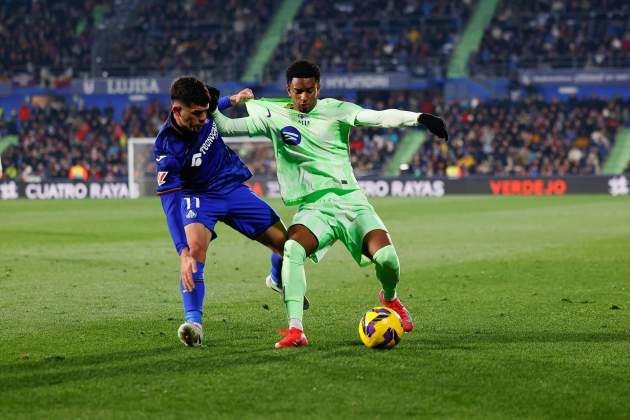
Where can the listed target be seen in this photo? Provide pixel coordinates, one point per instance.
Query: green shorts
(347, 216)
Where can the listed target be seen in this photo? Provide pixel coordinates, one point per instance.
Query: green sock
(387, 270)
(294, 279)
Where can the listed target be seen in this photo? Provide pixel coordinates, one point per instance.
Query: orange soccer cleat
(397, 306)
(293, 337)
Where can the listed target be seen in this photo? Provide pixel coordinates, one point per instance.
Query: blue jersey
(196, 162)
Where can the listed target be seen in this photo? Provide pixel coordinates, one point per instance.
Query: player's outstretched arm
(230, 127)
(241, 97)
(391, 118)
(224, 102)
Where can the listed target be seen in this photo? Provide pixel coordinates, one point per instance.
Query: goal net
(255, 152)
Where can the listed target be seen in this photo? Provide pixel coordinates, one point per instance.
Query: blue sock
(193, 301)
(276, 268)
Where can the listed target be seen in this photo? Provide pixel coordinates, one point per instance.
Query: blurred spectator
(48, 40)
(57, 138)
(554, 34)
(78, 172)
(528, 137)
(373, 36)
(213, 38)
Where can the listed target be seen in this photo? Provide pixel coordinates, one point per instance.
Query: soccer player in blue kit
(201, 181)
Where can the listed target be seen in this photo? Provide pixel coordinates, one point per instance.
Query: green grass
(512, 299)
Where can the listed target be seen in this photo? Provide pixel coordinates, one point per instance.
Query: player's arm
(390, 118)
(224, 102)
(169, 191)
(230, 127)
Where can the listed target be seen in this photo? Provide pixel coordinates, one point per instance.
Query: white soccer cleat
(272, 284)
(191, 334)
(276, 288)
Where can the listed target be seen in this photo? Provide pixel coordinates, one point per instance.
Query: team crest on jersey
(304, 120)
(191, 214)
(161, 177)
(291, 136)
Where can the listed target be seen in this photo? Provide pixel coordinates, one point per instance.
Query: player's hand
(241, 97)
(434, 124)
(187, 267)
(214, 98)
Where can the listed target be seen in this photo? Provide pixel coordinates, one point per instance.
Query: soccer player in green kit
(310, 140)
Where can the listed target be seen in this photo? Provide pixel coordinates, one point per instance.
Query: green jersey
(312, 152)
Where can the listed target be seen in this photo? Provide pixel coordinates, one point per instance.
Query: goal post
(255, 152)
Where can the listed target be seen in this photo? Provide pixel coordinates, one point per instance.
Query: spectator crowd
(373, 36)
(213, 37)
(48, 41)
(527, 137)
(554, 34)
(61, 141)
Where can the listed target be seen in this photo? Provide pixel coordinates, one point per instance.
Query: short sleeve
(257, 122)
(168, 166)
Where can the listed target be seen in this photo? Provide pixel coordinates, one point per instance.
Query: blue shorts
(241, 209)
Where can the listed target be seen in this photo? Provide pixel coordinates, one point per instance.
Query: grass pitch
(522, 310)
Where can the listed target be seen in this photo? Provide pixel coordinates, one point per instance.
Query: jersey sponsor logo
(159, 158)
(304, 120)
(212, 136)
(291, 136)
(161, 177)
(191, 214)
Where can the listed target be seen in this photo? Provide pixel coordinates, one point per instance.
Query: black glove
(434, 124)
(214, 98)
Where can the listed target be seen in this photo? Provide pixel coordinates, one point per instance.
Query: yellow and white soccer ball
(380, 328)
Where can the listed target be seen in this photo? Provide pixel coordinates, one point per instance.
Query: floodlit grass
(522, 309)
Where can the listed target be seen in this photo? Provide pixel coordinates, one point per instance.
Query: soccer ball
(380, 328)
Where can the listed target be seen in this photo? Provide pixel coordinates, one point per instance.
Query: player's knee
(387, 259)
(294, 252)
(197, 250)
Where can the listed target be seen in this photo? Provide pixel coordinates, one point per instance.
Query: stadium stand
(60, 40)
(373, 36)
(55, 139)
(48, 41)
(211, 38)
(527, 137)
(554, 34)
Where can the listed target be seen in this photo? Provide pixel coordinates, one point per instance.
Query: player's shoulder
(330, 102)
(274, 104)
(333, 103)
(168, 142)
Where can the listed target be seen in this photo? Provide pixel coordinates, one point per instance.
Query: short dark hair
(302, 69)
(190, 90)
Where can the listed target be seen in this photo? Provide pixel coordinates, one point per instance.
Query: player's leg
(198, 237)
(378, 247)
(364, 234)
(310, 235)
(274, 238)
(191, 332)
(301, 243)
(253, 217)
(199, 214)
